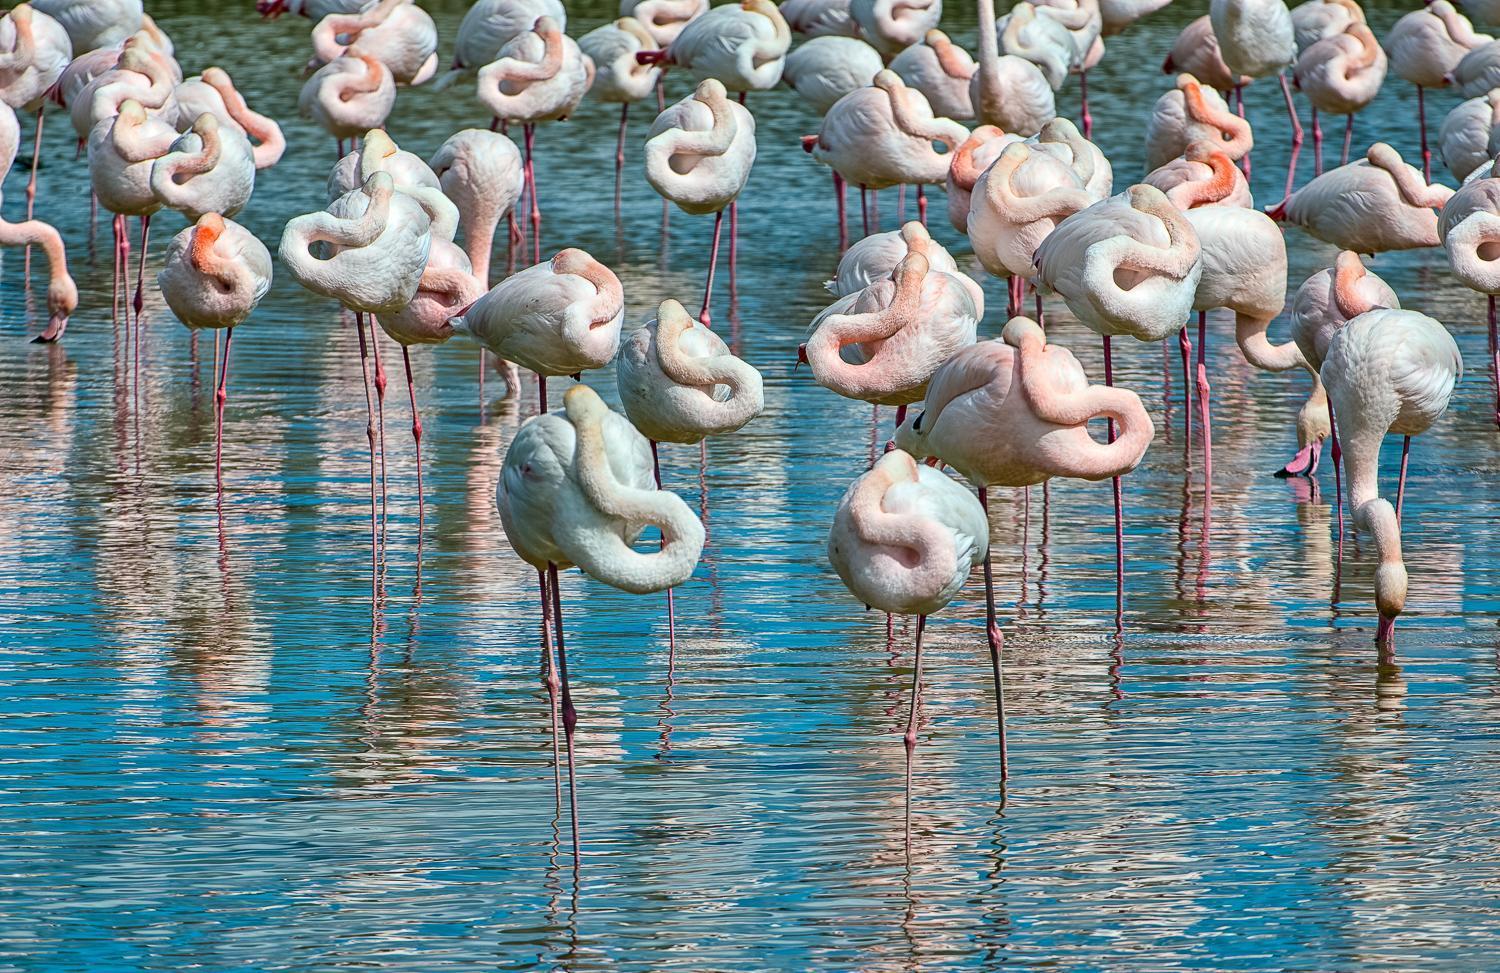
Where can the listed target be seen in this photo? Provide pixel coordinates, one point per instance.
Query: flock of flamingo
(407, 244)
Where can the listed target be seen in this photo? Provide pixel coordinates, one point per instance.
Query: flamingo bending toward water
(62, 293)
(214, 274)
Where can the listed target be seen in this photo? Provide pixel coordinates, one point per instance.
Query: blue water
(213, 759)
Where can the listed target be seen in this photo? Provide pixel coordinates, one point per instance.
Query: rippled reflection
(216, 761)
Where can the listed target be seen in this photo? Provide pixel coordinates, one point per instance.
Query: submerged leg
(569, 712)
(416, 435)
(910, 739)
(1109, 379)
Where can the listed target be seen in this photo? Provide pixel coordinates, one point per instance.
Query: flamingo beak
(809, 142)
(56, 325)
(801, 358)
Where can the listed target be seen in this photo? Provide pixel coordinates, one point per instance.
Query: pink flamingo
(942, 71)
(92, 24)
(1372, 205)
(1424, 46)
(1196, 53)
(213, 92)
(620, 78)
(1341, 74)
(348, 96)
(122, 152)
(1008, 91)
(1192, 113)
(1257, 39)
(34, 51)
(892, 26)
(825, 69)
(1470, 229)
(62, 294)
(398, 33)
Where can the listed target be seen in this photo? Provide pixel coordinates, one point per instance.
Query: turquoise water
(215, 761)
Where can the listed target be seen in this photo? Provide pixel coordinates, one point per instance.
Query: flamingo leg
(910, 739)
(1204, 411)
(416, 435)
(1495, 357)
(140, 272)
(115, 282)
(380, 417)
(1348, 139)
(1317, 133)
(901, 204)
(875, 210)
(221, 395)
(536, 210)
(569, 712)
(671, 613)
(996, 641)
(1422, 130)
(734, 240)
(550, 681)
(1401, 483)
(36, 160)
(922, 204)
(1338, 478)
(1291, 112)
(1041, 318)
(1083, 97)
(1186, 345)
(1239, 97)
(620, 155)
(713, 261)
(1109, 379)
(364, 357)
(864, 210)
(1013, 306)
(838, 192)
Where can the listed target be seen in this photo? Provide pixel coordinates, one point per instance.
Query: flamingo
(876, 257)
(481, 172)
(820, 18)
(491, 24)
(679, 383)
(576, 488)
(62, 294)
(905, 539)
(34, 51)
(1324, 303)
(741, 45)
(561, 317)
(1192, 113)
(1257, 39)
(1464, 138)
(1387, 370)
(942, 71)
(1372, 205)
(1184, 178)
(1025, 33)
(1478, 71)
(1084, 22)
(398, 33)
(1469, 226)
(892, 26)
(348, 96)
(214, 274)
(1196, 53)
(898, 332)
(1007, 91)
(883, 136)
(378, 152)
(142, 74)
(214, 92)
(621, 79)
(1014, 411)
(827, 68)
(1341, 74)
(540, 75)
(376, 242)
(1127, 265)
(1424, 46)
(698, 155)
(122, 153)
(314, 9)
(970, 160)
(92, 24)
(664, 19)
(1120, 14)
(209, 169)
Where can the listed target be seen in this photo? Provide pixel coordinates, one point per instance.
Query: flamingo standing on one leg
(905, 539)
(348, 96)
(1469, 225)
(577, 488)
(1257, 39)
(122, 152)
(1386, 371)
(214, 274)
(34, 51)
(698, 155)
(620, 78)
(214, 92)
(1014, 411)
(1341, 74)
(1424, 47)
(62, 294)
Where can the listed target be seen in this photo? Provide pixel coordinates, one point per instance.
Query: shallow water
(212, 762)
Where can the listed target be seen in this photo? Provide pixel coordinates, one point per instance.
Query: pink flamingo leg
(416, 435)
(1013, 306)
(1186, 345)
(671, 613)
(910, 738)
(875, 211)
(996, 641)
(221, 396)
(481, 385)
(1348, 139)
(1401, 483)
(1204, 410)
(1291, 112)
(1239, 98)
(1422, 129)
(620, 154)
(380, 413)
(864, 210)
(1109, 379)
(115, 298)
(1317, 130)
(549, 680)
(838, 191)
(713, 261)
(536, 210)
(364, 372)
(901, 204)
(1041, 317)
(140, 271)
(36, 160)
(569, 712)
(734, 238)
(1338, 478)
(1083, 92)
(922, 204)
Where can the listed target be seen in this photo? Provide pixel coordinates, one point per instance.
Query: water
(212, 763)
